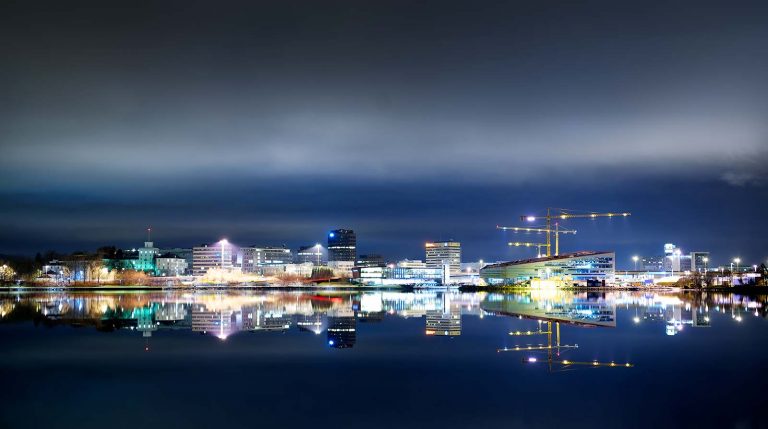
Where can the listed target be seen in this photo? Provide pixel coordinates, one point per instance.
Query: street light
(635, 259)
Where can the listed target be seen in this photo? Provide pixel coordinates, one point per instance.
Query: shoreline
(350, 287)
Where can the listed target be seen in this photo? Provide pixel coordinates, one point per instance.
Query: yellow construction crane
(554, 359)
(555, 214)
(538, 246)
(557, 231)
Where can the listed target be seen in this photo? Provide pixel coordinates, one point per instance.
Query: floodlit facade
(586, 267)
(217, 255)
(442, 253)
(147, 254)
(170, 266)
(373, 276)
(255, 258)
(342, 245)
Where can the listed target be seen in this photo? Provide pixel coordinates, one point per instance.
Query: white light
(532, 359)
(530, 218)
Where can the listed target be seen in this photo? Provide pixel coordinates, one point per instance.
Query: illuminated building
(653, 263)
(441, 253)
(147, 254)
(372, 276)
(169, 265)
(315, 254)
(342, 246)
(218, 255)
(410, 263)
(180, 252)
(586, 266)
(257, 257)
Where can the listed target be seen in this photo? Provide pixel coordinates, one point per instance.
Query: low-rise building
(257, 257)
(590, 267)
(169, 265)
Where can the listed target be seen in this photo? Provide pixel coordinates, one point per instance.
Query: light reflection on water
(492, 344)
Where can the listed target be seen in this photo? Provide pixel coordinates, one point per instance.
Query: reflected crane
(554, 350)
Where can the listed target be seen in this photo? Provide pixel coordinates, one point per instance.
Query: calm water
(382, 359)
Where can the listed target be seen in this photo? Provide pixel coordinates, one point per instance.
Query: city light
(531, 218)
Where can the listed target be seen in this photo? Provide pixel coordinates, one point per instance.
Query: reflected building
(220, 323)
(445, 321)
(315, 323)
(342, 329)
(144, 321)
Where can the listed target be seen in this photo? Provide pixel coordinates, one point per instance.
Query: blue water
(141, 360)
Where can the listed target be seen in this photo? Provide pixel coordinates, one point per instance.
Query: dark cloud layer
(273, 121)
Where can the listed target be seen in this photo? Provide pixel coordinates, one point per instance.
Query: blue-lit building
(586, 267)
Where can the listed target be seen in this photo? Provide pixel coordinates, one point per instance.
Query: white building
(255, 258)
(217, 255)
(443, 253)
(170, 266)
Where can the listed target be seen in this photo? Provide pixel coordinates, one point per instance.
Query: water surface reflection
(533, 359)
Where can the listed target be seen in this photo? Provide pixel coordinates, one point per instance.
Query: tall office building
(441, 253)
(217, 255)
(342, 246)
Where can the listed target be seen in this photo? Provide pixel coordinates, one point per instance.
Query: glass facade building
(585, 266)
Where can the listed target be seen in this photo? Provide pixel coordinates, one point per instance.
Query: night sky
(273, 122)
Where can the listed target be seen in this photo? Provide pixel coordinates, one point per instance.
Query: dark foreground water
(382, 360)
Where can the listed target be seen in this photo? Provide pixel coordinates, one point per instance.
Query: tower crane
(557, 231)
(538, 246)
(556, 214)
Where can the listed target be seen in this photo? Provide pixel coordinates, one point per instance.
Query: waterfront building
(342, 245)
(411, 263)
(589, 267)
(255, 257)
(56, 270)
(373, 276)
(653, 263)
(370, 260)
(217, 255)
(315, 254)
(184, 253)
(169, 265)
(146, 259)
(441, 253)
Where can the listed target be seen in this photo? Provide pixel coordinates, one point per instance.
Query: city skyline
(405, 122)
